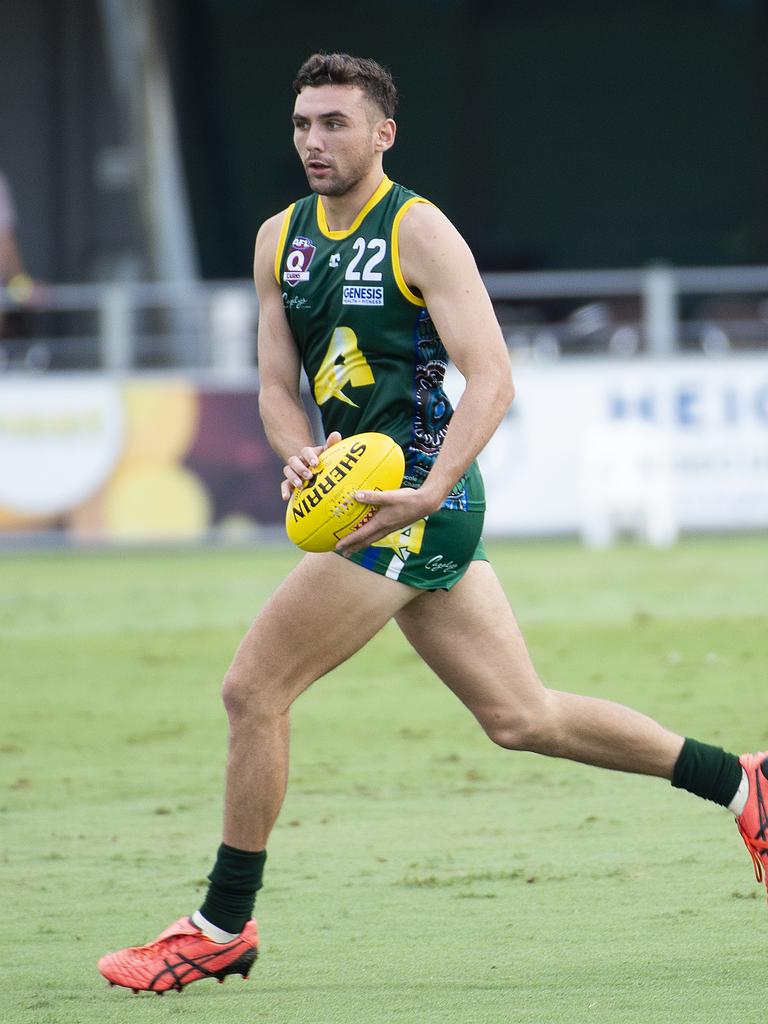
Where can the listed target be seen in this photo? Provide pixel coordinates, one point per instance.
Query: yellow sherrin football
(323, 510)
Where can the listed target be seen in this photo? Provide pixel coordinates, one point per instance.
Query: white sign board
(587, 427)
(59, 441)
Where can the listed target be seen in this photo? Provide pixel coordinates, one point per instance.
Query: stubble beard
(339, 186)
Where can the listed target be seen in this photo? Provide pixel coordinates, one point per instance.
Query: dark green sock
(235, 880)
(706, 771)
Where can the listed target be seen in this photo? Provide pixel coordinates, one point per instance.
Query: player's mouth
(317, 166)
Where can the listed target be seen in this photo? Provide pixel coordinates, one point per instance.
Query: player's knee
(512, 735)
(234, 695)
(521, 728)
(243, 697)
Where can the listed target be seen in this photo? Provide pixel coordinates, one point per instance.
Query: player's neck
(341, 211)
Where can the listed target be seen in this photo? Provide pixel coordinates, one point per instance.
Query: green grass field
(418, 873)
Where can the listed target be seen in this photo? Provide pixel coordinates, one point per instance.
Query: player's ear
(385, 134)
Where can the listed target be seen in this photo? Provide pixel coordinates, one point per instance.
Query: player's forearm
(479, 412)
(285, 421)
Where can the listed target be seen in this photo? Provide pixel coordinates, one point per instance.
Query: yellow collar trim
(322, 223)
(281, 241)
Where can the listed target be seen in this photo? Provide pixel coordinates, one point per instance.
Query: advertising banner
(134, 460)
(691, 433)
(588, 446)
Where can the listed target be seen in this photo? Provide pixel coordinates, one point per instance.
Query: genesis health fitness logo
(362, 295)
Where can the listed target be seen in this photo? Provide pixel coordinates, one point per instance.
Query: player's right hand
(301, 467)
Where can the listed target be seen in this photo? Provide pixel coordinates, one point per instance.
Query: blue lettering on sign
(685, 411)
(692, 407)
(622, 408)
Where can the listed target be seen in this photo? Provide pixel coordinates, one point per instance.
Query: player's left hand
(396, 509)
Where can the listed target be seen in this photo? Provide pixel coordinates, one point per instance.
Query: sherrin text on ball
(324, 509)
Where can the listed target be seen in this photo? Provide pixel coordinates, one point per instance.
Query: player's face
(338, 136)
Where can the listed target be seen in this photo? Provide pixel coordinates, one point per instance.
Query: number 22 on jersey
(343, 364)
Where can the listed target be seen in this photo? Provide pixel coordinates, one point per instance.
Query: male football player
(371, 289)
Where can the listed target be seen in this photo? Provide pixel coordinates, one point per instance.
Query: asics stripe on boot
(752, 823)
(180, 955)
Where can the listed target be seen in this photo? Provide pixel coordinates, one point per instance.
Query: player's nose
(313, 140)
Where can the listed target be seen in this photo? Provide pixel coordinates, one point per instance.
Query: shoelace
(171, 943)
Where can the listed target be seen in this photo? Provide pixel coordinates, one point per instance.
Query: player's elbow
(507, 389)
(504, 388)
(498, 373)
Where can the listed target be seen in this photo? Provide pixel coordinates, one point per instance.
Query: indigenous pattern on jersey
(372, 355)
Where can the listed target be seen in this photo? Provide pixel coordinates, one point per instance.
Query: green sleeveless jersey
(372, 355)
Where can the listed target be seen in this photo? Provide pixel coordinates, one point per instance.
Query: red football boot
(180, 955)
(753, 821)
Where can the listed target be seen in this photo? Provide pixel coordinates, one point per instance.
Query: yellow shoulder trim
(396, 269)
(281, 241)
(322, 223)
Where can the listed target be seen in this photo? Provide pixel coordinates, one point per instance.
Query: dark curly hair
(342, 69)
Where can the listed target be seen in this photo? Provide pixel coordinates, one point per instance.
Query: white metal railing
(211, 325)
(658, 289)
(190, 324)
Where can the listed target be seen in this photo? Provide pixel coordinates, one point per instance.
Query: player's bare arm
(437, 263)
(285, 420)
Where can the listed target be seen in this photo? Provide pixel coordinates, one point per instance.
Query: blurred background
(606, 162)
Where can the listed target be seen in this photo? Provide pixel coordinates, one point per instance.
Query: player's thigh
(324, 611)
(470, 638)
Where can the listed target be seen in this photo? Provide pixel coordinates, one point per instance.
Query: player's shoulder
(419, 211)
(268, 237)
(270, 229)
(424, 225)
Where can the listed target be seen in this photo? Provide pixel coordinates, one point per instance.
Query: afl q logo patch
(298, 260)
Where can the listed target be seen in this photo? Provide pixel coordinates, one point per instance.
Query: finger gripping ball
(323, 510)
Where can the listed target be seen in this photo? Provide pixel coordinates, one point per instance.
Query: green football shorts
(432, 554)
